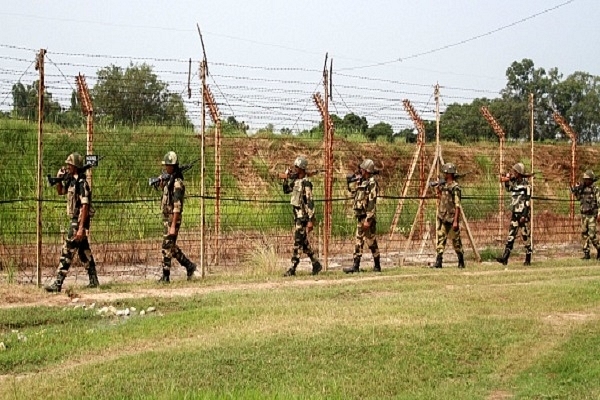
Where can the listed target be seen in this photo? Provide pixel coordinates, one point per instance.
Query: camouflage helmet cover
(75, 159)
(519, 168)
(368, 165)
(449, 168)
(301, 162)
(589, 174)
(170, 159)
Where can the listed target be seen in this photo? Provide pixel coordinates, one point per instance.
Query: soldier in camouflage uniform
(365, 191)
(303, 209)
(73, 183)
(172, 209)
(448, 215)
(588, 195)
(517, 184)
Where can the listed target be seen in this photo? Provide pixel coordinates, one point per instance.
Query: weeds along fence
(262, 118)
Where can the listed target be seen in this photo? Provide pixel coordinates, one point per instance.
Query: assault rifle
(357, 176)
(580, 186)
(90, 161)
(164, 177)
(442, 181)
(290, 174)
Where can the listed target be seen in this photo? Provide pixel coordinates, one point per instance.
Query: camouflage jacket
(172, 198)
(589, 198)
(78, 194)
(520, 191)
(365, 194)
(301, 198)
(449, 201)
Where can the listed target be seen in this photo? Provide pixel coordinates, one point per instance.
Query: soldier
(365, 191)
(516, 182)
(448, 215)
(303, 208)
(172, 209)
(73, 183)
(588, 195)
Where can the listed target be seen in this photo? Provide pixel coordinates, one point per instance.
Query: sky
(402, 47)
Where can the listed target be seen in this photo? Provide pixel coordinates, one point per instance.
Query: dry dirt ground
(29, 295)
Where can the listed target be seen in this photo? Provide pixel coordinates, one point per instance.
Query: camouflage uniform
(520, 190)
(450, 198)
(303, 210)
(172, 207)
(78, 193)
(365, 193)
(589, 198)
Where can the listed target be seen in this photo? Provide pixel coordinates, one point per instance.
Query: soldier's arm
(372, 193)
(456, 193)
(310, 204)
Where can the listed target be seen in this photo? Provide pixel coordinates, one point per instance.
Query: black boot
(56, 286)
(354, 268)
(438, 261)
(598, 254)
(504, 258)
(377, 264)
(93, 275)
(316, 267)
(461, 260)
(527, 259)
(586, 255)
(165, 278)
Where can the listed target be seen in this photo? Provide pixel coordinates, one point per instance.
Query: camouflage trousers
(301, 242)
(170, 249)
(515, 225)
(445, 231)
(82, 247)
(365, 236)
(588, 232)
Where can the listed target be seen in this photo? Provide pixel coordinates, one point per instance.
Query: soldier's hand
(79, 235)
(366, 225)
(455, 226)
(309, 226)
(523, 220)
(61, 172)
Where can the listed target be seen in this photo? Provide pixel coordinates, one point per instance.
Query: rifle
(91, 161)
(290, 174)
(357, 176)
(164, 177)
(442, 181)
(580, 186)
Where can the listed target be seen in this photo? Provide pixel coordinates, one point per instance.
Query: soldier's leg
(585, 239)
(513, 230)
(442, 237)
(358, 247)
(168, 245)
(458, 247)
(593, 235)
(371, 242)
(526, 235)
(66, 258)
(307, 249)
(299, 239)
(86, 257)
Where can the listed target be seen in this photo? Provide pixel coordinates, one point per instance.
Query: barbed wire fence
(234, 206)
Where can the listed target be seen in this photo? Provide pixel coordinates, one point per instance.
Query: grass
(484, 333)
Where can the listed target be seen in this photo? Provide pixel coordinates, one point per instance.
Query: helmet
(301, 162)
(170, 159)
(519, 168)
(449, 168)
(368, 165)
(589, 174)
(75, 159)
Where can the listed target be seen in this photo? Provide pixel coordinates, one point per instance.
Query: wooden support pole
(40, 150)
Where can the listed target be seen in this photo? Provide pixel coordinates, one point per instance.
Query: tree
(380, 129)
(355, 124)
(578, 99)
(135, 95)
(25, 103)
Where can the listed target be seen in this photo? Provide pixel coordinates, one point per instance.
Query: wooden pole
(202, 166)
(532, 125)
(40, 150)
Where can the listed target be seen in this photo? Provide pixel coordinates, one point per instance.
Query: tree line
(134, 95)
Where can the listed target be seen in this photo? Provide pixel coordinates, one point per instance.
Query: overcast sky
(477, 39)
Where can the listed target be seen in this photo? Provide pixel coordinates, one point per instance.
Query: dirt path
(31, 296)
